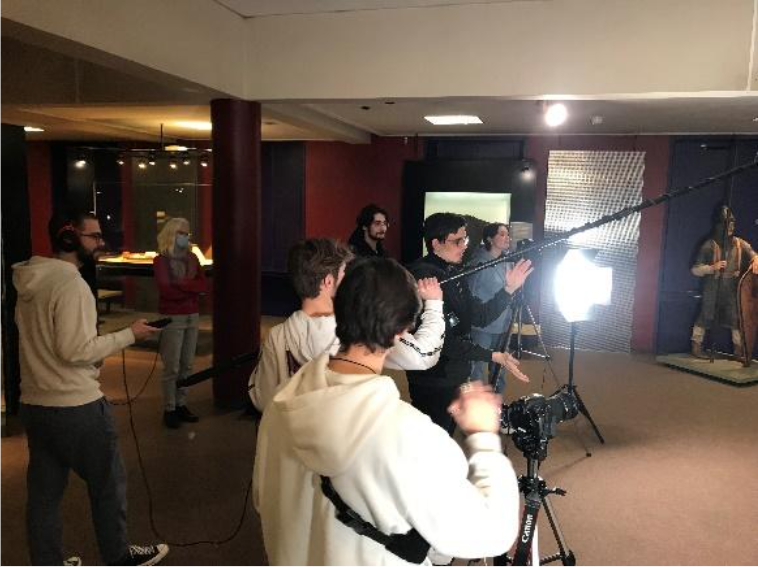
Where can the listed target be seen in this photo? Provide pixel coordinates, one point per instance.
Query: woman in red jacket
(181, 281)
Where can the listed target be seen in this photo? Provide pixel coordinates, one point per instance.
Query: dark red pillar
(236, 242)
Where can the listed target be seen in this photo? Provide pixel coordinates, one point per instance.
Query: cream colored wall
(196, 40)
(506, 49)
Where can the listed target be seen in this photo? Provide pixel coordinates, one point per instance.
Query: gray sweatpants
(178, 343)
(82, 438)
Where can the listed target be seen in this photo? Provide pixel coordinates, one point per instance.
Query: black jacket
(360, 247)
(462, 310)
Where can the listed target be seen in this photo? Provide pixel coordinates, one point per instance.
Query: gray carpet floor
(675, 484)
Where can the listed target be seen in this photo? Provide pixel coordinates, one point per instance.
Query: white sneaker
(73, 560)
(146, 554)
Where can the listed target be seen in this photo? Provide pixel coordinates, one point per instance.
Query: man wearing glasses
(433, 390)
(68, 421)
(370, 230)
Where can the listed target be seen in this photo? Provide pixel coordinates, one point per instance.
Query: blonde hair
(167, 235)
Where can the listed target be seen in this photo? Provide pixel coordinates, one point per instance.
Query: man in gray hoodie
(68, 422)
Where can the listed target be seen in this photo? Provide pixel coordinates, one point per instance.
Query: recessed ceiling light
(33, 129)
(453, 119)
(555, 115)
(194, 125)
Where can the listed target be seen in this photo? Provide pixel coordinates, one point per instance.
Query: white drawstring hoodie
(307, 337)
(59, 346)
(387, 461)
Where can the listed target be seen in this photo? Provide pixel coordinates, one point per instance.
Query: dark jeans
(433, 400)
(82, 438)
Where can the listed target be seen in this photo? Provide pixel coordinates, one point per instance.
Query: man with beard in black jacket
(432, 390)
(370, 230)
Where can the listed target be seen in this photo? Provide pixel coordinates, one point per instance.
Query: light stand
(571, 387)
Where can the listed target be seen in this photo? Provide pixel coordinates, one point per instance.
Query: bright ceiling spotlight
(151, 159)
(203, 161)
(81, 161)
(173, 165)
(579, 284)
(186, 160)
(556, 114)
(120, 160)
(142, 164)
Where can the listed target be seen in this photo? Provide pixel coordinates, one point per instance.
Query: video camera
(533, 418)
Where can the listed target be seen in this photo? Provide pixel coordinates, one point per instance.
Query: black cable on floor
(150, 506)
(147, 380)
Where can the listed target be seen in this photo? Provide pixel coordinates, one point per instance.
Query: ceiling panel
(259, 8)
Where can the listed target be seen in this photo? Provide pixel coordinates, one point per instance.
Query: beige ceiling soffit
(310, 119)
(51, 42)
(320, 109)
(635, 96)
(98, 129)
(262, 10)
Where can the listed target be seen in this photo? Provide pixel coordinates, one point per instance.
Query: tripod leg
(529, 486)
(586, 413)
(566, 556)
(519, 349)
(544, 354)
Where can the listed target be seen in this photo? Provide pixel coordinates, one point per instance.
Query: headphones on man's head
(67, 238)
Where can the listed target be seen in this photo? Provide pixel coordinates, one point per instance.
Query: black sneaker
(186, 415)
(172, 420)
(145, 554)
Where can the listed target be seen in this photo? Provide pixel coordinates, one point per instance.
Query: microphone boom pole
(220, 368)
(513, 256)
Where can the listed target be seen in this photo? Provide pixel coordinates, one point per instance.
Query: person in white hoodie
(68, 422)
(316, 267)
(338, 434)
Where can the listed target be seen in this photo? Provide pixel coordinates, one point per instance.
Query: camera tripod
(517, 318)
(536, 493)
(517, 308)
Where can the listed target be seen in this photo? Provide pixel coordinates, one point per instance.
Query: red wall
(341, 178)
(40, 195)
(655, 180)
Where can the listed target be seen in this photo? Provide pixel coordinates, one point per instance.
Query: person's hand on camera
(142, 330)
(511, 365)
(718, 266)
(429, 288)
(476, 409)
(516, 277)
